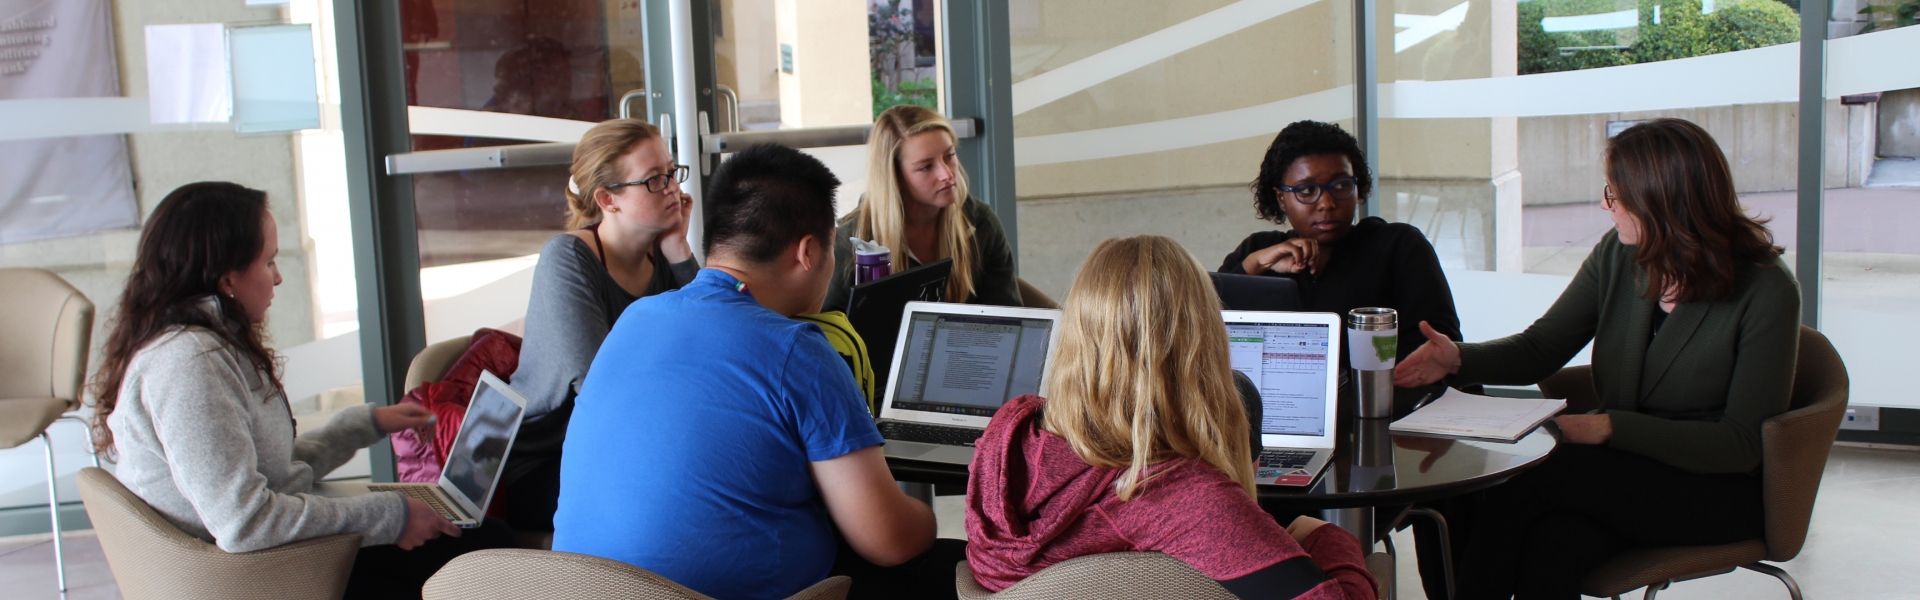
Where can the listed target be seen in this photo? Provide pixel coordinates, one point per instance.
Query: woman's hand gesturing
(1435, 360)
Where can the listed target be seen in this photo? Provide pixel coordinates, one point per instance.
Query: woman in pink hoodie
(1142, 446)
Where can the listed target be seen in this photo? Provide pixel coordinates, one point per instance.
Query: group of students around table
(680, 418)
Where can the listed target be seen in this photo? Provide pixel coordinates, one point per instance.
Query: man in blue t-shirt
(722, 444)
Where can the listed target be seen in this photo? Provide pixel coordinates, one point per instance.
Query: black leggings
(929, 575)
(1538, 535)
(532, 499)
(389, 572)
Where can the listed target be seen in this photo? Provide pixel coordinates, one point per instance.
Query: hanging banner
(59, 187)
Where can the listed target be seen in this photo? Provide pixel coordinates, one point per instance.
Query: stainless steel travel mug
(1373, 344)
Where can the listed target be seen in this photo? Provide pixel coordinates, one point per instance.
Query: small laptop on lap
(1294, 359)
(473, 465)
(874, 308)
(953, 366)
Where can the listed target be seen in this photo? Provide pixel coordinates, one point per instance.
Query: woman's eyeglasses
(1309, 193)
(657, 183)
(1607, 199)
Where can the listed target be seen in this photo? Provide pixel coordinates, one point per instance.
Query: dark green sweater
(1695, 397)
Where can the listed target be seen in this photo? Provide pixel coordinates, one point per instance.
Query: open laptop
(1294, 359)
(1257, 292)
(873, 308)
(473, 466)
(954, 365)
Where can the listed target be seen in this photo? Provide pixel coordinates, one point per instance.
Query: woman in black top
(1313, 179)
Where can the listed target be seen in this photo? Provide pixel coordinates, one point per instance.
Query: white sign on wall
(58, 187)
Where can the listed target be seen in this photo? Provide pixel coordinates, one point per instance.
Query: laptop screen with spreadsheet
(1290, 362)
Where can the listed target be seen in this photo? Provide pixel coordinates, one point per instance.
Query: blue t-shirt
(688, 448)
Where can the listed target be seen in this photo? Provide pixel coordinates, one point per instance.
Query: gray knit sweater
(206, 441)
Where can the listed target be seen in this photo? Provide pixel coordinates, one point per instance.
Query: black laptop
(1257, 293)
(875, 307)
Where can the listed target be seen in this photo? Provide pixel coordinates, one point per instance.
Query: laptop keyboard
(945, 435)
(424, 494)
(1282, 458)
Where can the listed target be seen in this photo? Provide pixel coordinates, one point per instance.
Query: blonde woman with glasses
(626, 239)
(917, 205)
(1142, 446)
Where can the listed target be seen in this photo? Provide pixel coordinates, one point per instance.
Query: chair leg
(1392, 592)
(1654, 590)
(53, 508)
(1793, 587)
(89, 427)
(1446, 543)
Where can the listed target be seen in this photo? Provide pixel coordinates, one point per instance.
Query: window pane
(1495, 117)
(1870, 243)
(1152, 117)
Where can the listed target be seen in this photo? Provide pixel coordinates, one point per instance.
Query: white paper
(1464, 415)
(187, 73)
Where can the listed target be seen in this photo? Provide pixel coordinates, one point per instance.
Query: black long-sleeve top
(1377, 264)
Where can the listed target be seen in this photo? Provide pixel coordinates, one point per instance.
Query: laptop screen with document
(969, 364)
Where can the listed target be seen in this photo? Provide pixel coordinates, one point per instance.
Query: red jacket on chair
(420, 460)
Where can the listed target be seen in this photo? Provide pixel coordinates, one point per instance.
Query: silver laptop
(954, 365)
(1294, 358)
(473, 466)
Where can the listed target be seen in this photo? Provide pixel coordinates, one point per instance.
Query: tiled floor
(1864, 544)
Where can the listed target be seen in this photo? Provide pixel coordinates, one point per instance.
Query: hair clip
(573, 187)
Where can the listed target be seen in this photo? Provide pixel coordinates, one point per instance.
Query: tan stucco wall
(830, 80)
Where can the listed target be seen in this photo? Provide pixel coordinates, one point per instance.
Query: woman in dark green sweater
(1695, 325)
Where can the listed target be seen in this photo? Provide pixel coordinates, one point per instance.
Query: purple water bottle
(870, 261)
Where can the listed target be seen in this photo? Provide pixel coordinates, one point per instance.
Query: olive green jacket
(1696, 396)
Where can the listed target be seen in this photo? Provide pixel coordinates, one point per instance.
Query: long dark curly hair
(199, 233)
(1305, 138)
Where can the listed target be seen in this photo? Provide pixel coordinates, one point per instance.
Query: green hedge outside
(1683, 32)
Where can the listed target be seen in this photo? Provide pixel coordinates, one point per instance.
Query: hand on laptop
(401, 417)
(423, 524)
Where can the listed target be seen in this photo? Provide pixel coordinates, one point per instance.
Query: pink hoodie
(1031, 503)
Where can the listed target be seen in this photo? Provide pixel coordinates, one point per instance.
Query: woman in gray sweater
(189, 399)
(626, 239)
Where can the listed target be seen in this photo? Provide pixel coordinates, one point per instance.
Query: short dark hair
(1305, 138)
(764, 199)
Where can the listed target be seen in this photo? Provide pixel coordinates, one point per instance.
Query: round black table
(1370, 467)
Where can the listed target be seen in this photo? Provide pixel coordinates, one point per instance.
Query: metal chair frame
(53, 495)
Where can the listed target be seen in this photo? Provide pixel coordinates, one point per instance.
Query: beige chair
(432, 362)
(521, 574)
(1032, 297)
(152, 559)
(46, 327)
(1794, 448)
(1127, 575)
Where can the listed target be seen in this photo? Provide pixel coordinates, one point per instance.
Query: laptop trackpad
(899, 449)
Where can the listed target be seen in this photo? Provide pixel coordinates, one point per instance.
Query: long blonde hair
(1142, 374)
(882, 217)
(596, 164)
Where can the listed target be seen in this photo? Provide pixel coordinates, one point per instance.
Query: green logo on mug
(1386, 347)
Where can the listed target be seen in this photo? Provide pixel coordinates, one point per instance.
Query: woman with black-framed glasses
(626, 239)
(1314, 179)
